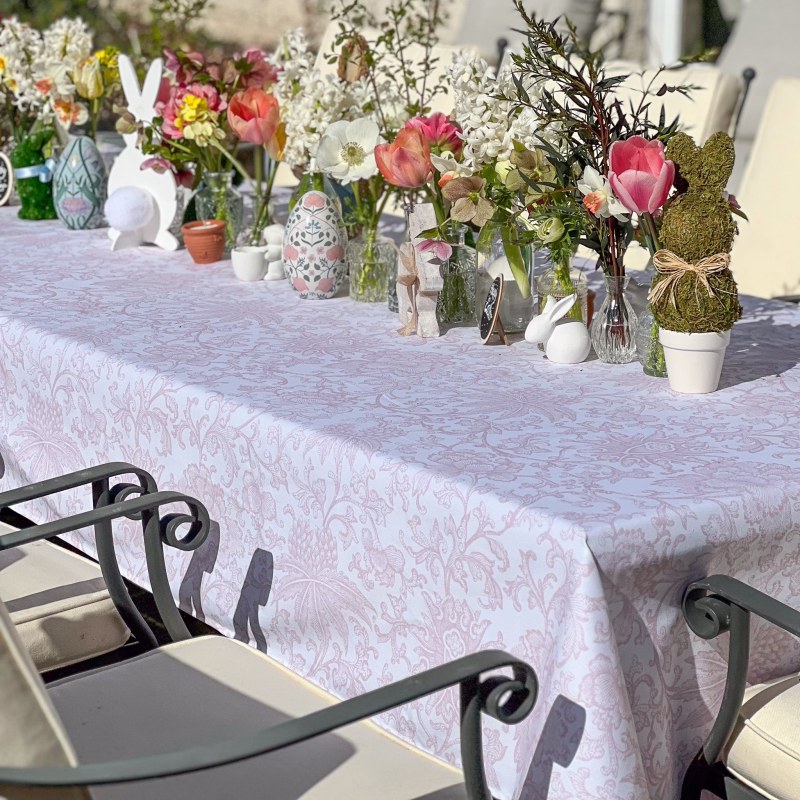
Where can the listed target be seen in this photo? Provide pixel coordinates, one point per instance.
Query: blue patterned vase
(79, 185)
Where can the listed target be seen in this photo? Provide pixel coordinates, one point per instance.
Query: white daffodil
(598, 197)
(446, 164)
(346, 150)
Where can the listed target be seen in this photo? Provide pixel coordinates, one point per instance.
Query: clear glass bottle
(516, 310)
(456, 302)
(219, 199)
(614, 325)
(648, 346)
(371, 260)
(562, 280)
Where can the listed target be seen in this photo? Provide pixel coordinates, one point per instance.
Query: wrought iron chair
(50, 592)
(751, 752)
(208, 716)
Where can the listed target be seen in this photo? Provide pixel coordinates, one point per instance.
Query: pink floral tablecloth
(385, 504)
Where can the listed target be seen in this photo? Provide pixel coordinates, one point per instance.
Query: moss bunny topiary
(697, 225)
(36, 197)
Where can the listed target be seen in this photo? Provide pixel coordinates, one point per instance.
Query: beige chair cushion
(765, 748)
(30, 731)
(59, 603)
(211, 688)
(763, 261)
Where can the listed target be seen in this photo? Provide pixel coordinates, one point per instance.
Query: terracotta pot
(205, 240)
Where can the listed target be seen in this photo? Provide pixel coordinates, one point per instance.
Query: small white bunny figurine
(565, 342)
(273, 238)
(142, 204)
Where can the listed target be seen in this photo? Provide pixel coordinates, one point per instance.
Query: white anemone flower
(346, 150)
(598, 197)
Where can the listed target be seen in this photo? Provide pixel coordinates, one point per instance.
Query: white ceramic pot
(694, 360)
(250, 263)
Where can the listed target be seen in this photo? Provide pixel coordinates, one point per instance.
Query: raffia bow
(409, 280)
(674, 267)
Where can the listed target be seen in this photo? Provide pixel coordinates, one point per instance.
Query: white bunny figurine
(273, 238)
(565, 341)
(141, 204)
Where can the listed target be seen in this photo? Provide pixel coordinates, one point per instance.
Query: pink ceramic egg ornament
(314, 247)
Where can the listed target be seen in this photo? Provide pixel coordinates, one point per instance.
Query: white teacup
(250, 263)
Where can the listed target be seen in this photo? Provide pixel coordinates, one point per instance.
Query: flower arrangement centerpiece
(607, 159)
(694, 297)
(483, 183)
(388, 78)
(36, 89)
(204, 111)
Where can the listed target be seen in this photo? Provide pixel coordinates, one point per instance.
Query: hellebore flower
(640, 174)
(469, 202)
(441, 250)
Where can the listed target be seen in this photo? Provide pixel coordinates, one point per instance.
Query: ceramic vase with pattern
(80, 184)
(314, 247)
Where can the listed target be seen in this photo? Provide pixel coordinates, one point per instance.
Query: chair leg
(701, 776)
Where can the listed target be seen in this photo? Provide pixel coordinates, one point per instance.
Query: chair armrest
(508, 700)
(721, 604)
(74, 480)
(709, 620)
(134, 502)
(131, 508)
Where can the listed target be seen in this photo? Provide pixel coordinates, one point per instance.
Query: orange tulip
(255, 117)
(406, 162)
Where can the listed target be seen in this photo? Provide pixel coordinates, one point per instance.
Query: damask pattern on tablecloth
(397, 502)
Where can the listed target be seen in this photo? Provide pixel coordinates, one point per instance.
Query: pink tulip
(255, 117)
(439, 131)
(406, 162)
(639, 174)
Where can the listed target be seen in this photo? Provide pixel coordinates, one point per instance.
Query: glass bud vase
(648, 345)
(561, 281)
(456, 302)
(613, 328)
(516, 311)
(218, 199)
(371, 260)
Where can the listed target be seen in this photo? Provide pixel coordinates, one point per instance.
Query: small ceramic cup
(250, 263)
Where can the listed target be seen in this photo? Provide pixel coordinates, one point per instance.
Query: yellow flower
(109, 61)
(88, 79)
(193, 109)
(2, 65)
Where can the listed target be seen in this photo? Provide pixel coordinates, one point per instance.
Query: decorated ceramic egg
(314, 247)
(79, 185)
